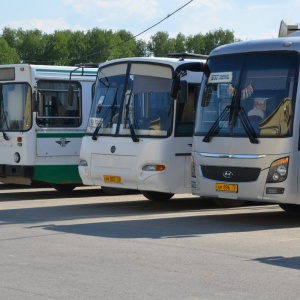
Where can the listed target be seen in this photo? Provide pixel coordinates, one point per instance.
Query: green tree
(8, 55)
(195, 44)
(100, 45)
(217, 38)
(160, 44)
(31, 46)
(11, 37)
(97, 45)
(180, 42)
(141, 49)
(77, 45)
(57, 51)
(127, 45)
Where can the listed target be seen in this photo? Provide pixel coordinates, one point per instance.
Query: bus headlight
(278, 170)
(154, 167)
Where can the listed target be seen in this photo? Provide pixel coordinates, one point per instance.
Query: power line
(121, 43)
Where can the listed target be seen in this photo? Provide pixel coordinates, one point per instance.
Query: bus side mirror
(35, 103)
(70, 95)
(182, 94)
(175, 86)
(179, 90)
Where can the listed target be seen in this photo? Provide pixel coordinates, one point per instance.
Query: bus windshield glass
(15, 107)
(132, 99)
(249, 95)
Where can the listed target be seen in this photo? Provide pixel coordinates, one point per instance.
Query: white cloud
(114, 10)
(248, 20)
(45, 25)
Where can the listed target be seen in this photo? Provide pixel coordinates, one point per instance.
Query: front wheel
(227, 203)
(157, 196)
(291, 208)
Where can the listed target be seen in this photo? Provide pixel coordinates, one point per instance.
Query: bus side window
(55, 109)
(185, 115)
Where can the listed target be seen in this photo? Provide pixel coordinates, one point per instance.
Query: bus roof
(170, 61)
(288, 43)
(47, 71)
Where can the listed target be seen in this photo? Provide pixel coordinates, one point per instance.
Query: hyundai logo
(113, 149)
(227, 174)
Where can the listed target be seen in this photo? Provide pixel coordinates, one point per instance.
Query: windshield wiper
(112, 108)
(95, 133)
(218, 124)
(229, 113)
(5, 136)
(109, 108)
(127, 117)
(247, 126)
(107, 83)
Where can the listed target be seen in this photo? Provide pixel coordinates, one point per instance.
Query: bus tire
(227, 203)
(113, 191)
(157, 196)
(290, 208)
(64, 187)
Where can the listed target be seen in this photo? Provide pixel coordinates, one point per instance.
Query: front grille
(230, 174)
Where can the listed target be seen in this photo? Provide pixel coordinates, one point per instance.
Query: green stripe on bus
(67, 71)
(57, 174)
(59, 135)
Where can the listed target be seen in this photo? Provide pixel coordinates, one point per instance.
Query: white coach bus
(246, 143)
(138, 137)
(43, 116)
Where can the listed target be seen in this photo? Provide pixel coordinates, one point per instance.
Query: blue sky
(248, 19)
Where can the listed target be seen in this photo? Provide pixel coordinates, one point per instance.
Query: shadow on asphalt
(144, 219)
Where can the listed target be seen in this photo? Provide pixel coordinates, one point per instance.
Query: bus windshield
(130, 101)
(248, 94)
(15, 107)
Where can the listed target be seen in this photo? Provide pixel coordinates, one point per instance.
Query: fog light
(273, 190)
(17, 157)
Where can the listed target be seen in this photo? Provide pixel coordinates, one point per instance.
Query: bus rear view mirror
(182, 94)
(175, 86)
(35, 103)
(179, 90)
(70, 95)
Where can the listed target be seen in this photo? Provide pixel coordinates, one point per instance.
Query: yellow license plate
(114, 179)
(224, 187)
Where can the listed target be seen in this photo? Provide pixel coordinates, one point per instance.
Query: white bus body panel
(269, 150)
(129, 164)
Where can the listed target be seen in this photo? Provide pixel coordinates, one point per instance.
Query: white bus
(246, 143)
(138, 137)
(43, 116)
